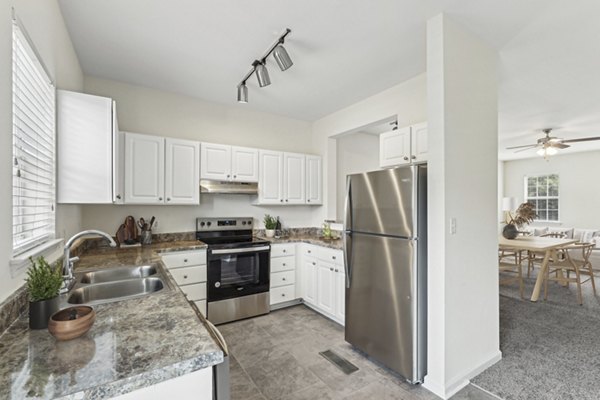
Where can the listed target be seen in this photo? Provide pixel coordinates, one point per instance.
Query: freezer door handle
(347, 247)
(348, 206)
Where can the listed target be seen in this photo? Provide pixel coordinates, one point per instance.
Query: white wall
(161, 113)
(357, 152)
(579, 190)
(463, 320)
(405, 101)
(44, 23)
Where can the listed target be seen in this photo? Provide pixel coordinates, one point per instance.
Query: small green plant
(43, 280)
(270, 222)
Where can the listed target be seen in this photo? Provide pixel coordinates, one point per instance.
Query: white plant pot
(269, 233)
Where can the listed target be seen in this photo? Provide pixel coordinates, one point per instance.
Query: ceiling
(344, 51)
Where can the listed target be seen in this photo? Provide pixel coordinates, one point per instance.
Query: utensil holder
(146, 238)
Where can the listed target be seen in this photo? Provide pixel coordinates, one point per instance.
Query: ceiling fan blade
(525, 149)
(560, 145)
(520, 147)
(587, 139)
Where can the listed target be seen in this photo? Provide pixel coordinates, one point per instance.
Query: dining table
(547, 245)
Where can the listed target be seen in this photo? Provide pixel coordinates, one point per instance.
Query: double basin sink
(115, 284)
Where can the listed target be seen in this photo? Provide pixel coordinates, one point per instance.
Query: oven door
(238, 272)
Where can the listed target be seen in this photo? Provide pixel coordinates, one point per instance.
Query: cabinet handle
(160, 198)
(283, 279)
(308, 201)
(185, 277)
(314, 263)
(405, 158)
(331, 269)
(286, 200)
(284, 250)
(414, 157)
(309, 252)
(185, 260)
(284, 264)
(333, 257)
(168, 199)
(281, 200)
(336, 270)
(235, 176)
(282, 294)
(119, 196)
(228, 176)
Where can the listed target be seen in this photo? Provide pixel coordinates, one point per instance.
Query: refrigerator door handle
(348, 206)
(347, 247)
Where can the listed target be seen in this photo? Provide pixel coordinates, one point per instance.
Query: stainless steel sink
(114, 291)
(118, 274)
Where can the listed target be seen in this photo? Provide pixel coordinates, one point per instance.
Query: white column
(462, 113)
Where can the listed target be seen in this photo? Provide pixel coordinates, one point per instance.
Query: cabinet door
(394, 147)
(314, 180)
(215, 162)
(85, 148)
(244, 164)
(419, 142)
(294, 178)
(182, 172)
(118, 160)
(144, 169)
(309, 281)
(326, 287)
(340, 294)
(270, 185)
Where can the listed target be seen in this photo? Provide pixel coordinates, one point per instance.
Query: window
(33, 148)
(542, 191)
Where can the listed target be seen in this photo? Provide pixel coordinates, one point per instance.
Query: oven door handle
(237, 251)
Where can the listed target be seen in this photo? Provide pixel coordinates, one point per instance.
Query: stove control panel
(223, 224)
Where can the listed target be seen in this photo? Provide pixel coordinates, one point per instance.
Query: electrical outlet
(453, 226)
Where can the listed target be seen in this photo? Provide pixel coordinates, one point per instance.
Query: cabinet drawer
(189, 275)
(282, 278)
(281, 250)
(279, 264)
(184, 258)
(309, 250)
(330, 255)
(282, 293)
(194, 292)
(201, 304)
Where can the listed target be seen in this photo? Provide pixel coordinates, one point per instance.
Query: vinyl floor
(276, 357)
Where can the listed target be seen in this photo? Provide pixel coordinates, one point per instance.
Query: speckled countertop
(309, 238)
(133, 343)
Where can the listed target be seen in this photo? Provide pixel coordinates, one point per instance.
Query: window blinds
(33, 162)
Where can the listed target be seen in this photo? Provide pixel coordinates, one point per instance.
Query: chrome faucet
(68, 261)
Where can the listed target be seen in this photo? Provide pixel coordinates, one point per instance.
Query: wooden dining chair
(511, 269)
(577, 260)
(534, 257)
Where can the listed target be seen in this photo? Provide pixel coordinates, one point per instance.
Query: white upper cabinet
(394, 147)
(403, 146)
(182, 171)
(144, 169)
(244, 164)
(270, 185)
(314, 180)
(221, 162)
(294, 172)
(419, 142)
(88, 150)
(215, 162)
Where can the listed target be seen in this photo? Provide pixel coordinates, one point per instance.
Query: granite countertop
(133, 343)
(308, 238)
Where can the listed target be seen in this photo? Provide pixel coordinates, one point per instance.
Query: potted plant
(270, 225)
(525, 214)
(43, 284)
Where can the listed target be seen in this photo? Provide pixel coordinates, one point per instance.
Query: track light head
(262, 74)
(282, 57)
(242, 93)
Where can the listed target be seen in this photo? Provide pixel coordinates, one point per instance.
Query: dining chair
(577, 260)
(510, 268)
(534, 257)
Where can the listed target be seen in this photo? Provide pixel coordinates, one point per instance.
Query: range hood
(207, 186)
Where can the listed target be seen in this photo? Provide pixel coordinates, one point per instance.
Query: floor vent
(346, 366)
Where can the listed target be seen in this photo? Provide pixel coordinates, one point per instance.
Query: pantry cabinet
(161, 170)
(89, 150)
(221, 162)
(403, 146)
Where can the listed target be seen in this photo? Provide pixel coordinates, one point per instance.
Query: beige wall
(579, 203)
(358, 152)
(44, 23)
(161, 113)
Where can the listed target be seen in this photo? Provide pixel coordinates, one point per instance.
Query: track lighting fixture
(259, 67)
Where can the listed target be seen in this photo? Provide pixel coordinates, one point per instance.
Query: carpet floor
(550, 349)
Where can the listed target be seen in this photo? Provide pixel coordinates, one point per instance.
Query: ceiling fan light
(242, 93)
(262, 75)
(541, 152)
(282, 57)
(551, 151)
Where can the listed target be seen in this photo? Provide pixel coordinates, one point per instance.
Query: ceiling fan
(549, 145)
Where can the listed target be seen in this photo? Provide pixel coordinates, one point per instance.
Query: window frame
(547, 197)
(39, 73)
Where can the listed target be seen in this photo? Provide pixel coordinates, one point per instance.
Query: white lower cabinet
(188, 269)
(283, 273)
(323, 280)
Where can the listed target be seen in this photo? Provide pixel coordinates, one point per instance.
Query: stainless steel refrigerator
(385, 245)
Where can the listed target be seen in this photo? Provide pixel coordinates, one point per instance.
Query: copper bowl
(71, 322)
